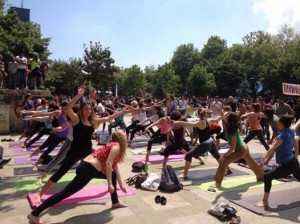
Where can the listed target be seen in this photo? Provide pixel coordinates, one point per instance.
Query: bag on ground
(225, 212)
(136, 180)
(138, 167)
(152, 183)
(169, 181)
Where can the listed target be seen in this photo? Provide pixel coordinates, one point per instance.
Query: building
(23, 14)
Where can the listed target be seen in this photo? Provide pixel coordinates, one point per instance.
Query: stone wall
(11, 104)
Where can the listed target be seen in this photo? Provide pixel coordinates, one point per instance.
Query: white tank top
(135, 117)
(142, 117)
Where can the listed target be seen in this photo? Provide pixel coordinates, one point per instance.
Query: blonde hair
(119, 136)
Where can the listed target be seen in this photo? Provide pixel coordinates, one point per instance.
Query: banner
(291, 89)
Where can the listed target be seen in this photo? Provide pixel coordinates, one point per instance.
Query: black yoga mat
(278, 201)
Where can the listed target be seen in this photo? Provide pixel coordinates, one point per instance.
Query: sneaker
(4, 162)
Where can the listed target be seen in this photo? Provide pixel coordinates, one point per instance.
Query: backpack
(225, 212)
(138, 167)
(136, 180)
(169, 181)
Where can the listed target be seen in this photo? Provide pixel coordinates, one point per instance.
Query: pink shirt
(254, 121)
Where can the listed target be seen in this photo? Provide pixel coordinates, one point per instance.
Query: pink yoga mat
(23, 160)
(90, 193)
(159, 158)
(19, 150)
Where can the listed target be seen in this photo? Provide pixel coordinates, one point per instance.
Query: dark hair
(64, 104)
(160, 112)
(269, 112)
(286, 121)
(175, 116)
(233, 123)
(202, 112)
(256, 107)
(55, 107)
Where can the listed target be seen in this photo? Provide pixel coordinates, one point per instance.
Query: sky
(147, 32)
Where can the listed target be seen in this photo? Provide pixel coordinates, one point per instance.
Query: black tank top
(82, 135)
(204, 134)
(179, 135)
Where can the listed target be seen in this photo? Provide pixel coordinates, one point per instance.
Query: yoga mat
(271, 165)
(159, 158)
(209, 174)
(23, 160)
(140, 139)
(86, 194)
(278, 201)
(138, 144)
(20, 151)
(236, 184)
(179, 166)
(30, 184)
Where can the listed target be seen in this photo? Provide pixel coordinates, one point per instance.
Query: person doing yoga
(207, 144)
(84, 123)
(238, 149)
(101, 164)
(288, 163)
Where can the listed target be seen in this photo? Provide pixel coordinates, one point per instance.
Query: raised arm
(270, 153)
(189, 124)
(73, 117)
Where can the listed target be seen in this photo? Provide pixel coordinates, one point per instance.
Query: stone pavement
(188, 206)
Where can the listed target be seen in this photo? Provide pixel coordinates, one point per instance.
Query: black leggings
(51, 142)
(72, 157)
(84, 173)
(260, 136)
(36, 126)
(139, 128)
(207, 146)
(44, 131)
(290, 167)
(173, 148)
(156, 138)
(131, 127)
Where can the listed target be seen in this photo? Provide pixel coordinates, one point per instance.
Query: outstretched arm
(73, 117)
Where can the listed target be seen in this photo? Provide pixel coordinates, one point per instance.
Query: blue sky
(146, 32)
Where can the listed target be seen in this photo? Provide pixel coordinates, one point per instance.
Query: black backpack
(169, 181)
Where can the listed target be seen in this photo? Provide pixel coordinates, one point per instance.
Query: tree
(131, 81)
(185, 57)
(201, 82)
(17, 36)
(244, 90)
(164, 81)
(65, 76)
(98, 64)
(214, 47)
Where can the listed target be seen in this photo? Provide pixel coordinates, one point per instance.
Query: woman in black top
(84, 124)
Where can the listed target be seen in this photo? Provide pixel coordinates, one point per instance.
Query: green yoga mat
(236, 184)
(30, 184)
(179, 165)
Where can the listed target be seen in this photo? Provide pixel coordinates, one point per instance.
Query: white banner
(291, 89)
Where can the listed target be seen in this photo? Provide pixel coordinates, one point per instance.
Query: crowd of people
(169, 121)
(23, 73)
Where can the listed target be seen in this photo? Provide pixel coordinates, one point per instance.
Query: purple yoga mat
(23, 160)
(90, 193)
(18, 143)
(159, 158)
(19, 150)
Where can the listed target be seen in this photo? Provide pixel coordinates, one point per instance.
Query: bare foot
(34, 219)
(262, 204)
(38, 199)
(34, 168)
(29, 158)
(39, 181)
(23, 145)
(118, 205)
(214, 185)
